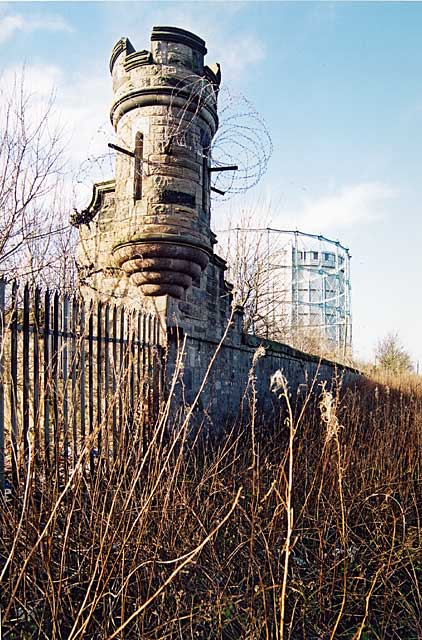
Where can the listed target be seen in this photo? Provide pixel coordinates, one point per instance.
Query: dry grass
(308, 527)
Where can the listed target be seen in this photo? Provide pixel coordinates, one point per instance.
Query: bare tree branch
(33, 239)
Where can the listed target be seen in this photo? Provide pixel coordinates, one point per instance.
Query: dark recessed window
(206, 181)
(205, 177)
(137, 181)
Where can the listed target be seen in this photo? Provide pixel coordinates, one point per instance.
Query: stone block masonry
(226, 394)
(146, 240)
(151, 227)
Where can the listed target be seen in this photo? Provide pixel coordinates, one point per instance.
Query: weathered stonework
(154, 247)
(148, 233)
(145, 238)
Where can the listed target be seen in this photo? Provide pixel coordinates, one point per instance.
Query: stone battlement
(146, 239)
(151, 227)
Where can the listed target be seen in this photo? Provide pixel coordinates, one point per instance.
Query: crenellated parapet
(146, 234)
(163, 110)
(146, 239)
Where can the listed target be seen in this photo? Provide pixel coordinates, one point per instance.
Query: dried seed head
(328, 408)
(278, 383)
(259, 353)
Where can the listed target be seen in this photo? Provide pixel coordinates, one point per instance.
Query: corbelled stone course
(146, 239)
(150, 227)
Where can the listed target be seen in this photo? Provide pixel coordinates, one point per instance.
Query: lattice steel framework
(291, 283)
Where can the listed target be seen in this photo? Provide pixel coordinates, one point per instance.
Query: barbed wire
(242, 139)
(189, 97)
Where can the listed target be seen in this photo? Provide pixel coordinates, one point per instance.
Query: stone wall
(146, 239)
(147, 232)
(226, 393)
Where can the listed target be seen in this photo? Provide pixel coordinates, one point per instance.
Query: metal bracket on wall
(232, 167)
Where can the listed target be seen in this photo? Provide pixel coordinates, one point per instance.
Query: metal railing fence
(74, 376)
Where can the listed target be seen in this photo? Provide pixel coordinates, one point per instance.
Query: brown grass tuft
(210, 539)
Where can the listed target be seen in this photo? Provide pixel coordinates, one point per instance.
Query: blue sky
(339, 86)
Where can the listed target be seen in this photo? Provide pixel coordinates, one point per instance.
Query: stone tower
(145, 238)
(146, 241)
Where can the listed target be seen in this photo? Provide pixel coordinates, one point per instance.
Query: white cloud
(79, 110)
(8, 26)
(40, 81)
(80, 100)
(13, 23)
(244, 51)
(355, 204)
(235, 51)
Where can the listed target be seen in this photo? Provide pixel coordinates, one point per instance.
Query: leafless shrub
(36, 240)
(323, 541)
(391, 356)
(261, 270)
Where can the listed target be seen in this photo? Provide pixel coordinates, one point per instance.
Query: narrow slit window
(206, 182)
(139, 151)
(205, 177)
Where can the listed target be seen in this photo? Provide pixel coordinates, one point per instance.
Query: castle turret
(152, 224)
